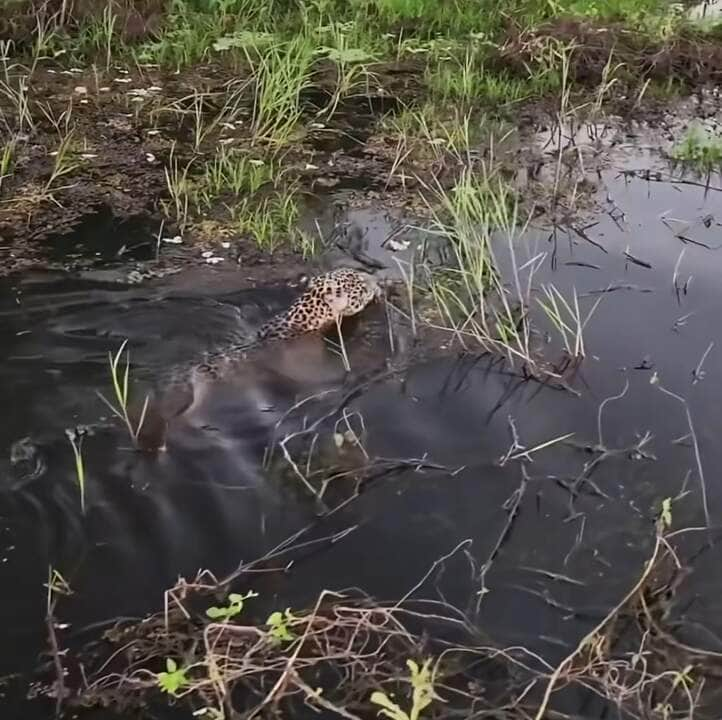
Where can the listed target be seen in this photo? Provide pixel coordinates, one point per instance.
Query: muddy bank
(142, 144)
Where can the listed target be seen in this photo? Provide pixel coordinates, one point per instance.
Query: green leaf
(278, 623)
(243, 39)
(215, 612)
(346, 55)
(234, 607)
(666, 514)
(174, 679)
(389, 708)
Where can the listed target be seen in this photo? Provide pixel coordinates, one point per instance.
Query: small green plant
(244, 39)
(7, 160)
(16, 94)
(97, 34)
(665, 515)
(700, 150)
(423, 694)
(233, 608)
(180, 189)
(458, 80)
(351, 64)
(173, 679)
(64, 162)
(75, 438)
(307, 243)
(56, 585)
(121, 377)
(278, 623)
(193, 30)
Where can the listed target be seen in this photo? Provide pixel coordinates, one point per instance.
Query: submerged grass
(75, 437)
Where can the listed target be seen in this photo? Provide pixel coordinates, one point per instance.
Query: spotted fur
(327, 298)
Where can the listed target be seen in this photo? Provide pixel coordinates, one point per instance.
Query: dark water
(209, 503)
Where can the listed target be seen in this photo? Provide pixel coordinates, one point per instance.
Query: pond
(536, 553)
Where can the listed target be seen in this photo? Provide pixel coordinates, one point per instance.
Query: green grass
(7, 159)
(198, 30)
(281, 72)
(236, 172)
(269, 221)
(699, 150)
(468, 292)
(279, 50)
(468, 82)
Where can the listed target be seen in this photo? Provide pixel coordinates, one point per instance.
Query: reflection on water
(216, 498)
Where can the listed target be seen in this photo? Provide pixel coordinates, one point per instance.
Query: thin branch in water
(698, 373)
(695, 445)
(600, 438)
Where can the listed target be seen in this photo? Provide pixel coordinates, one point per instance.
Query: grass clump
(236, 172)
(269, 221)
(280, 74)
(699, 150)
(469, 294)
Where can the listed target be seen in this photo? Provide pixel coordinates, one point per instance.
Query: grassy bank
(221, 89)
(216, 116)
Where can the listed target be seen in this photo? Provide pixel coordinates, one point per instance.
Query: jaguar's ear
(302, 280)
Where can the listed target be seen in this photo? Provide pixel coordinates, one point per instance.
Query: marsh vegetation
(492, 143)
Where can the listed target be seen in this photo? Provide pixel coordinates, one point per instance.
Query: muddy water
(209, 502)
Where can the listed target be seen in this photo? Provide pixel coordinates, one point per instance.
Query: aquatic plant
(567, 319)
(469, 294)
(120, 375)
(75, 437)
